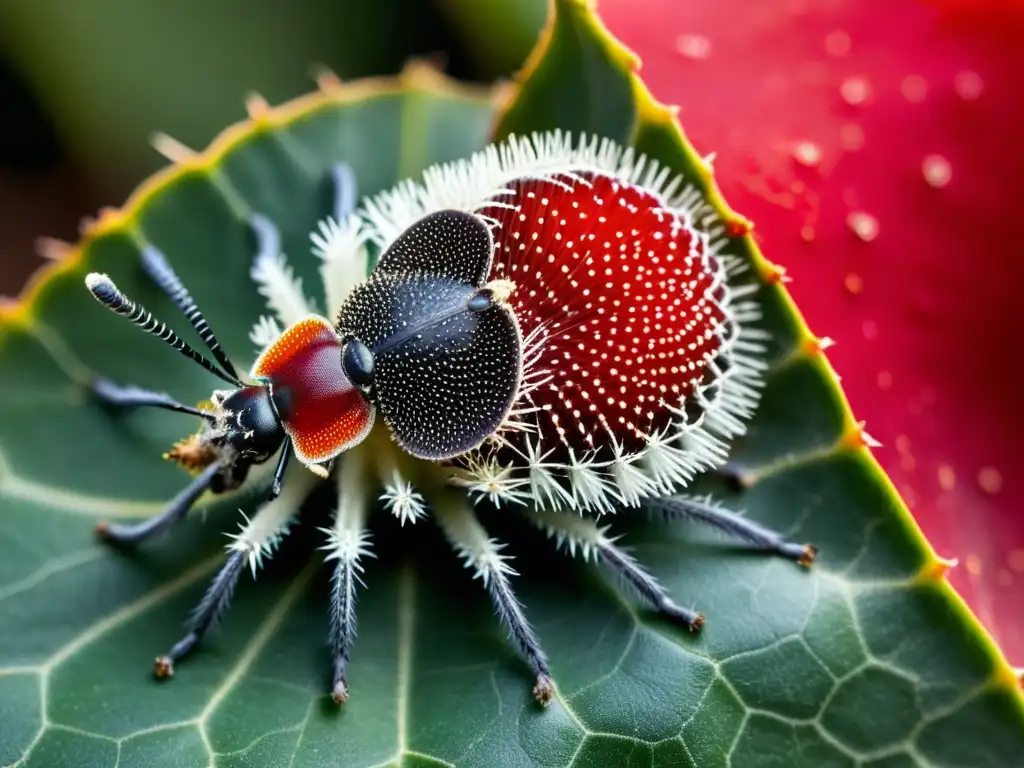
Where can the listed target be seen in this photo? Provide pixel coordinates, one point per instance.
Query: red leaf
(877, 151)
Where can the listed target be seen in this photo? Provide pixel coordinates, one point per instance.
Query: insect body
(546, 329)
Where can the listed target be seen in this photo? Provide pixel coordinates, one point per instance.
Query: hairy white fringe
(348, 542)
(344, 259)
(264, 333)
(673, 456)
(469, 538)
(348, 539)
(402, 500)
(260, 536)
(277, 283)
(573, 534)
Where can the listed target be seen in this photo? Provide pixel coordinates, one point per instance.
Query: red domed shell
(620, 300)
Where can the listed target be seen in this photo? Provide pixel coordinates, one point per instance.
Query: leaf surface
(868, 659)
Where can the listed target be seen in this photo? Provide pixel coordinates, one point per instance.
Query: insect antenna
(134, 397)
(163, 275)
(108, 294)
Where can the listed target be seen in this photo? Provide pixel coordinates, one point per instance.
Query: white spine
(260, 536)
(480, 552)
(277, 283)
(341, 248)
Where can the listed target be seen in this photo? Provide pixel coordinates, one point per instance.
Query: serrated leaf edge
(855, 439)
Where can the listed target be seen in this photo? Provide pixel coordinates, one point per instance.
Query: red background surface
(877, 148)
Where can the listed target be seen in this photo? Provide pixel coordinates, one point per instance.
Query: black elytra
(445, 359)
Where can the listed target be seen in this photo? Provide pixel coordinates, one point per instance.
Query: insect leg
(674, 507)
(257, 540)
(282, 466)
(576, 533)
(174, 512)
(343, 620)
(211, 608)
(483, 555)
(133, 397)
(163, 275)
(649, 588)
(348, 541)
(344, 191)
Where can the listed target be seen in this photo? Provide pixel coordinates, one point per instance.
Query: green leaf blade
(792, 668)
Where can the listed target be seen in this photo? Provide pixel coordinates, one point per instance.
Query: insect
(553, 328)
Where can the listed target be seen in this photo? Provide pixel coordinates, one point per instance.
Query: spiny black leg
(472, 542)
(343, 625)
(163, 275)
(175, 512)
(132, 397)
(522, 633)
(282, 465)
(344, 191)
(681, 506)
(648, 587)
(206, 615)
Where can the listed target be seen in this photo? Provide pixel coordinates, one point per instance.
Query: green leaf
(868, 659)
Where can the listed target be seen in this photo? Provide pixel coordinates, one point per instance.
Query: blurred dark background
(83, 85)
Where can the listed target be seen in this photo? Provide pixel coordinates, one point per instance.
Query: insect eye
(357, 360)
(481, 301)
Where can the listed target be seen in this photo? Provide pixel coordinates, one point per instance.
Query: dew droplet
(968, 85)
(837, 43)
(947, 477)
(990, 480)
(696, 47)
(870, 329)
(851, 136)
(853, 283)
(937, 171)
(1004, 578)
(902, 444)
(973, 563)
(884, 380)
(863, 225)
(807, 153)
(914, 88)
(855, 90)
(807, 233)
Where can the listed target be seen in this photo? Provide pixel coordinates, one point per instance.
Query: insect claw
(809, 555)
(339, 694)
(544, 690)
(697, 623)
(163, 667)
(102, 530)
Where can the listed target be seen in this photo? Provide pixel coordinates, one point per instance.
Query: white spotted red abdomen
(621, 306)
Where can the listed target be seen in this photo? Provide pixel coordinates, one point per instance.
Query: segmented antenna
(160, 271)
(103, 288)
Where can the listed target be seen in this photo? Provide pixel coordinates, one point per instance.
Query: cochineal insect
(553, 327)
